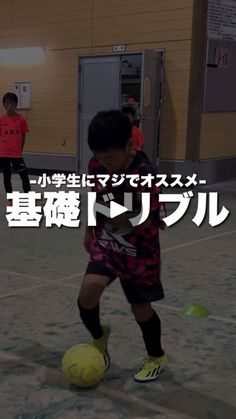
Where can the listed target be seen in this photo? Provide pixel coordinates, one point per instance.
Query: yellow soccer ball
(83, 365)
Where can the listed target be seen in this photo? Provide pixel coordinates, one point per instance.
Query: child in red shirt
(137, 134)
(13, 128)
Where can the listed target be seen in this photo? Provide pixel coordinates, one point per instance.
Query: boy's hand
(121, 221)
(88, 237)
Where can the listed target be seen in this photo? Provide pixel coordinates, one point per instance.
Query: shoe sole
(149, 379)
(106, 355)
(107, 358)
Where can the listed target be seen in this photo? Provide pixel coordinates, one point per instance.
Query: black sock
(91, 321)
(151, 330)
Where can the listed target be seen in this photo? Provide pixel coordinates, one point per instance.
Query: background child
(137, 134)
(13, 128)
(119, 250)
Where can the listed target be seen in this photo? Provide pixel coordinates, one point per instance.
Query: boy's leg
(150, 324)
(20, 168)
(6, 168)
(88, 301)
(25, 181)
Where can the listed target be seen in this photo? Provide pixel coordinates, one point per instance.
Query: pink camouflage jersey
(134, 254)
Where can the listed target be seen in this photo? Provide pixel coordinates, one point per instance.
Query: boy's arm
(24, 130)
(88, 237)
(123, 221)
(156, 214)
(154, 219)
(23, 141)
(88, 230)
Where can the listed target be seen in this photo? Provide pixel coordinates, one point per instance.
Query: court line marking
(213, 236)
(144, 403)
(103, 390)
(24, 290)
(222, 319)
(20, 274)
(44, 284)
(67, 277)
(171, 308)
(211, 316)
(165, 306)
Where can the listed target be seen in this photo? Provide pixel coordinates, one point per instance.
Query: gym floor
(41, 270)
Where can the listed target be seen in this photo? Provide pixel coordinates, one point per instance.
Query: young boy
(137, 134)
(119, 250)
(13, 128)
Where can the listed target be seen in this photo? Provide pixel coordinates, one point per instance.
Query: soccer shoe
(151, 369)
(101, 345)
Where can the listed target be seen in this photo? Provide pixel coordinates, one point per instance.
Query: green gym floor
(41, 270)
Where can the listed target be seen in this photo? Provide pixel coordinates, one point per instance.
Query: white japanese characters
(61, 208)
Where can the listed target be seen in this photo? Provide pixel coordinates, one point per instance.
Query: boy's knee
(90, 294)
(142, 311)
(87, 298)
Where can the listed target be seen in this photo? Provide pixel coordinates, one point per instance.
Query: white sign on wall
(222, 19)
(23, 92)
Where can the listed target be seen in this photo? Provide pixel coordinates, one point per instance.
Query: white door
(99, 90)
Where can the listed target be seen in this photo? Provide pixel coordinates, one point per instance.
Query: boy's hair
(129, 110)
(10, 96)
(109, 129)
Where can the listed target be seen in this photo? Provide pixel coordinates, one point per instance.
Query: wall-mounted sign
(222, 19)
(23, 92)
(118, 48)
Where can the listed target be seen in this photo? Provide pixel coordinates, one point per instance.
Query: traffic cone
(195, 310)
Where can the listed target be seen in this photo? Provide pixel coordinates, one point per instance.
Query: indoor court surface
(41, 271)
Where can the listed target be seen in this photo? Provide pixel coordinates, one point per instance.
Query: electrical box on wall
(23, 92)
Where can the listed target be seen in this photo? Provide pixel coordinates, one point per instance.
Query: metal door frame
(79, 84)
